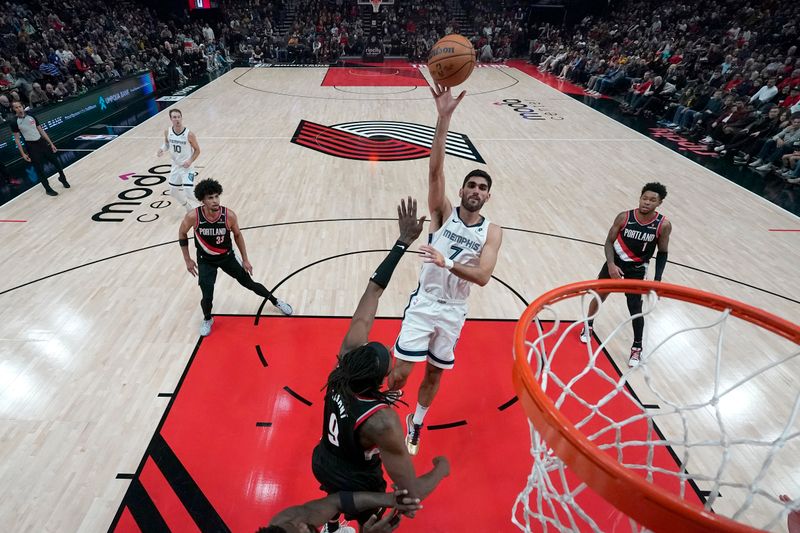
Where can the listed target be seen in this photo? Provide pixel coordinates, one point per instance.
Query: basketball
(451, 60)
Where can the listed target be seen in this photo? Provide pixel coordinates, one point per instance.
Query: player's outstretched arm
(613, 270)
(364, 316)
(438, 204)
(384, 430)
(317, 512)
(183, 239)
(480, 274)
(663, 248)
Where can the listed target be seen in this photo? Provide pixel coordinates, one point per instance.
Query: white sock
(419, 414)
(179, 196)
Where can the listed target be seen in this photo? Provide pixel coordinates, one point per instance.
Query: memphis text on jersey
(461, 240)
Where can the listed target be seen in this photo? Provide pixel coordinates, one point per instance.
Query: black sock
(590, 323)
(333, 526)
(205, 305)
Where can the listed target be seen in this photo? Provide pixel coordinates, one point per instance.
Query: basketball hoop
(376, 5)
(589, 457)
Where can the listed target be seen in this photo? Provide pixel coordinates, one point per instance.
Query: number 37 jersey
(461, 243)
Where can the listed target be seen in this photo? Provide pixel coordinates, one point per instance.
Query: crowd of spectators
(500, 29)
(725, 73)
(324, 30)
(52, 50)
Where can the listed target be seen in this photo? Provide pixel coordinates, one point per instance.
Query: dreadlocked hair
(358, 372)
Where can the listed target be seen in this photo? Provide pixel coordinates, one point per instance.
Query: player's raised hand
(445, 103)
(410, 227)
(432, 255)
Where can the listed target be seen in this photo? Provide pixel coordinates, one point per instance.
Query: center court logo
(380, 141)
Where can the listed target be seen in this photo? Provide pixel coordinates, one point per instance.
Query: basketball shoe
(636, 355)
(344, 527)
(412, 435)
(205, 327)
(283, 307)
(586, 335)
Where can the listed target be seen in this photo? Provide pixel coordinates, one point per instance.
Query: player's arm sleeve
(663, 245)
(364, 315)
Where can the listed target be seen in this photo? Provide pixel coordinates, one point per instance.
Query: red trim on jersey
(197, 219)
(208, 248)
(643, 223)
(363, 418)
(625, 222)
(227, 223)
(216, 219)
(658, 229)
(627, 250)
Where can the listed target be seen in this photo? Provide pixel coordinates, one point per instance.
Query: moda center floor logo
(380, 140)
(530, 109)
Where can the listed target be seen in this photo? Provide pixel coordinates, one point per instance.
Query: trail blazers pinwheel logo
(380, 141)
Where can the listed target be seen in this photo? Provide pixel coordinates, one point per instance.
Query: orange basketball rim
(644, 502)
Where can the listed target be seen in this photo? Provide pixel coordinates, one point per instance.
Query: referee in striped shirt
(39, 146)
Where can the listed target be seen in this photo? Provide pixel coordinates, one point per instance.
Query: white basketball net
(735, 468)
(376, 5)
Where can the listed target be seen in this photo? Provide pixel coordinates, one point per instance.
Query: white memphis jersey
(462, 244)
(179, 148)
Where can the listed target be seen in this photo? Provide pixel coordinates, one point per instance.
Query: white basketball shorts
(181, 177)
(430, 330)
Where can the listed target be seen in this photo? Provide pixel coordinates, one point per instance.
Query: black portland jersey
(212, 237)
(340, 428)
(636, 242)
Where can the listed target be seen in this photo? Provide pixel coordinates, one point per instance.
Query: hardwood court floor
(99, 317)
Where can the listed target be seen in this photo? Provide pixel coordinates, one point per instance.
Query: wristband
(448, 263)
(383, 274)
(183, 242)
(347, 503)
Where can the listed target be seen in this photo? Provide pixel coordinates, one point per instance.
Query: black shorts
(336, 475)
(207, 267)
(629, 270)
